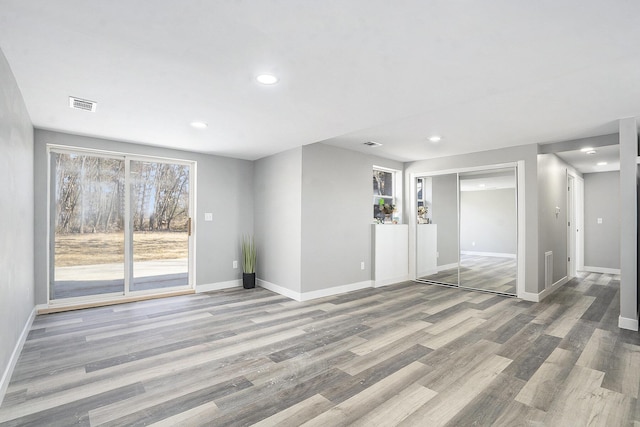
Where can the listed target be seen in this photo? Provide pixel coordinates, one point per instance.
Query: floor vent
(82, 104)
(548, 269)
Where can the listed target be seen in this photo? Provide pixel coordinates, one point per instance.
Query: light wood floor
(488, 273)
(408, 354)
(497, 274)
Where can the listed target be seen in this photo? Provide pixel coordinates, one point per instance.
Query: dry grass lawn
(107, 248)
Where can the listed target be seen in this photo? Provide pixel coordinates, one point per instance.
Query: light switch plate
(599, 220)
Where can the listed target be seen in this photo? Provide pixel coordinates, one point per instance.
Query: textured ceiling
(483, 75)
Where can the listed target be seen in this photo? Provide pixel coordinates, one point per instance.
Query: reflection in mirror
(437, 229)
(488, 230)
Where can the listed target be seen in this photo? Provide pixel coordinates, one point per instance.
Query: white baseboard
(306, 296)
(280, 290)
(533, 297)
(492, 254)
(386, 282)
(335, 290)
(627, 323)
(6, 376)
(603, 270)
(219, 285)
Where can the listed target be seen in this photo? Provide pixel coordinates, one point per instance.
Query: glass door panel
(488, 230)
(88, 225)
(160, 225)
(437, 229)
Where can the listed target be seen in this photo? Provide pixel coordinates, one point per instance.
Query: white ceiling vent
(82, 104)
(372, 144)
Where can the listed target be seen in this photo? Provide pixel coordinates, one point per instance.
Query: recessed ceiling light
(435, 138)
(481, 185)
(267, 79)
(199, 125)
(585, 149)
(601, 163)
(591, 152)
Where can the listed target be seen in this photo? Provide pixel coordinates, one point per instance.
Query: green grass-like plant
(248, 254)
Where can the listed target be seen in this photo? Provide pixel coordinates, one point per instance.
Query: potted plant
(248, 262)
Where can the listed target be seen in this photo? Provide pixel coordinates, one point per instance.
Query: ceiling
(587, 162)
(482, 75)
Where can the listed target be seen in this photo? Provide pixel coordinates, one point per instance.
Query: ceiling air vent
(372, 144)
(82, 104)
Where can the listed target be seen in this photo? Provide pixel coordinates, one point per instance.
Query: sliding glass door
(161, 224)
(88, 225)
(119, 225)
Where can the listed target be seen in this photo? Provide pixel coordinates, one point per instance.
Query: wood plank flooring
(408, 354)
(487, 273)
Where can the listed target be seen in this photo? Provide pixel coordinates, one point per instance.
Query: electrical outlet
(599, 220)
(235, 264)
(208, 216)
(362, 265)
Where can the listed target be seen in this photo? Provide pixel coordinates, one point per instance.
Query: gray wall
(224, 187)
(552, 193)
(444, 213)
(278, 219)
(526, 153)
(602, 200)
(16, 215)
(337, 213)
(629, 187)
(488, 218)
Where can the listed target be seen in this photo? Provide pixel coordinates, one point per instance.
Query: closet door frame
(520, 201)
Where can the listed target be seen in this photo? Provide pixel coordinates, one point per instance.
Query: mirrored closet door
(488, 230)
(437, 229)
(466, 232)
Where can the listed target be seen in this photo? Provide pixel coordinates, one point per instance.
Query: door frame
(520, 213)
(127, 294)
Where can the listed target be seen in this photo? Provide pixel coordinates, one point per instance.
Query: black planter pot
(249, 280)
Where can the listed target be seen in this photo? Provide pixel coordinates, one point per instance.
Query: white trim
(218, 285)
(13, 360)
(626, 323)
(533, 297)
(386, 282)
(414, 175)
(603, 270)
(279, 289)
(335, 290)
(492, 254)
(521, 214)
(298, 296)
